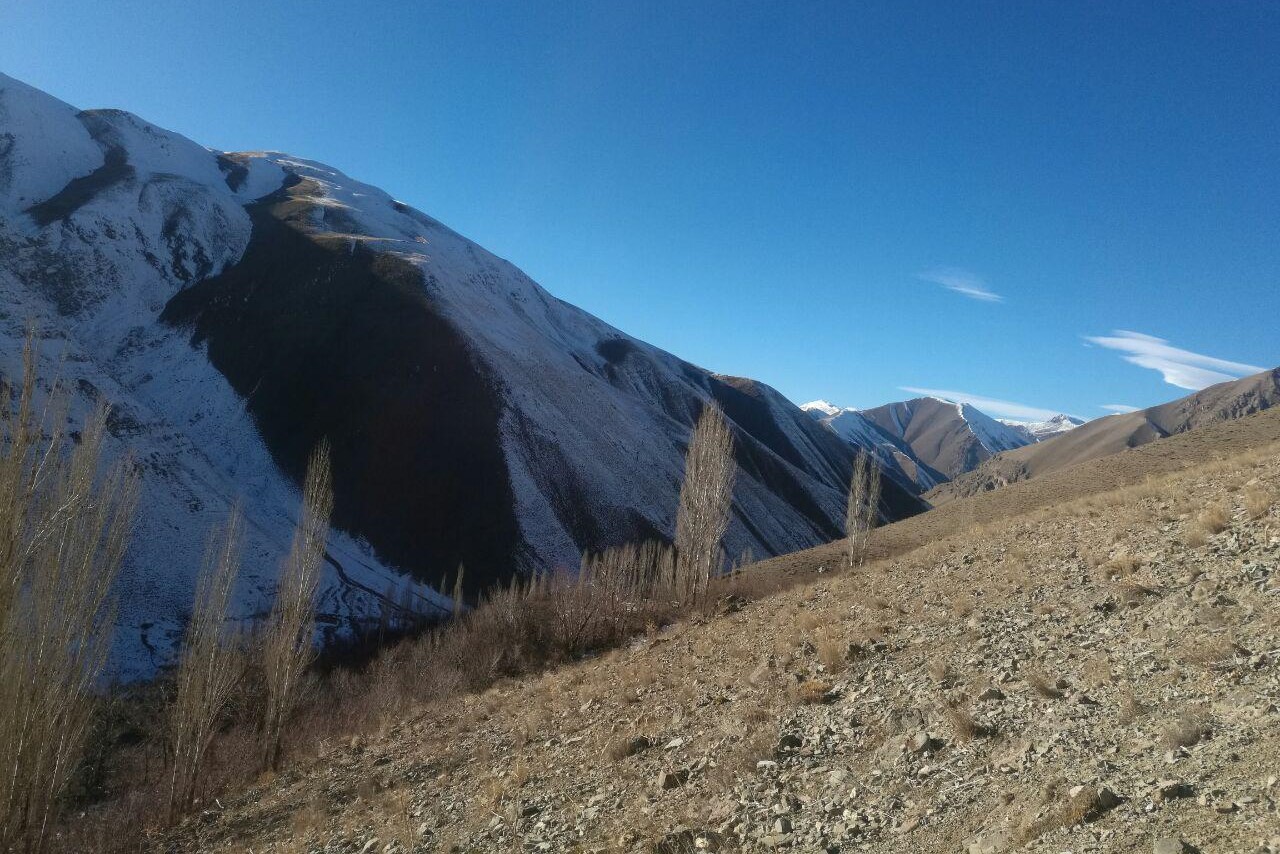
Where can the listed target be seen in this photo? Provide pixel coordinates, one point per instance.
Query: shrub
(1258, 502)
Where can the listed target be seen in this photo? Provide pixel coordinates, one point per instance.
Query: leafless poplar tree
(862, 513)
(210, 666)
(705, 500)
(63, 533)
(288, 641)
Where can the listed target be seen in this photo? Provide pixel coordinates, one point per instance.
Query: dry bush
(963, 724)
(1120, 566)
(1214, 520)
(621, 747)
(1042, 685)
(833, 652)
(812, 692)
(1185, 730)
(209, 667)
(288, 642)
(1258, 501)
(705, 498)
(63, 531)
(1194, 536)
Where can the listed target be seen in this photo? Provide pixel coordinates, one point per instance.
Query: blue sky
(841, 199)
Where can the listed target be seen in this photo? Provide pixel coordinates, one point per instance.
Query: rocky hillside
(1115, 433)
(236, 307)
(1096, 674)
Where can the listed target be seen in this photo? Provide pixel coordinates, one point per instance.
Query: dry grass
(1258, 501)
(1042, 685)
(1214, 520)
(1194, 536)
(1120, 566)
(621, 747)
(1184, 731)
(63, 531)
(833, 652)
(1070, 811)
(962, 723)
(1130, 707)
(812, 691)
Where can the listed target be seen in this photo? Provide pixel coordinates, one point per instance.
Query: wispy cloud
(989, 405)
(962, 282)
(1118, 407)
(1179, 367)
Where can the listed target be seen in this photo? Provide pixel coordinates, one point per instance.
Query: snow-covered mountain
(236, 307)
(1038, 431)
(949, 437)
(894, 455)
(932, 440)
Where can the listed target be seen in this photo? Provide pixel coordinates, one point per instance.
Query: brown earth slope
(940, 434)
(1115, 433)
(1087, 675)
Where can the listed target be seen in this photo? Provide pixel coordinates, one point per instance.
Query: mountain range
(235, 308)
(931, 440)
(1113, 434)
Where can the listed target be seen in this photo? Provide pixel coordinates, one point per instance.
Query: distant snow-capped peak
(1038, 431)
(821, 408)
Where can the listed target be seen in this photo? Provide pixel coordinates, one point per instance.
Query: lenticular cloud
(1179, 367)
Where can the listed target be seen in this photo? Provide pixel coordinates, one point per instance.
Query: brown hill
(1116, 433)
(1050, 667)
(952, 438)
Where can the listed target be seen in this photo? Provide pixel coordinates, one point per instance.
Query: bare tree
(862, 513)
(210, 666)
(288, 640)
(705, 500)
(63, 533)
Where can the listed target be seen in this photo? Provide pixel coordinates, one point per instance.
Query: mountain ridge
(1115, 433)
(160, 267)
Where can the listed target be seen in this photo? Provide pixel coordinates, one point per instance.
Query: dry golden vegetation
(1091, 654)
(63, 530)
